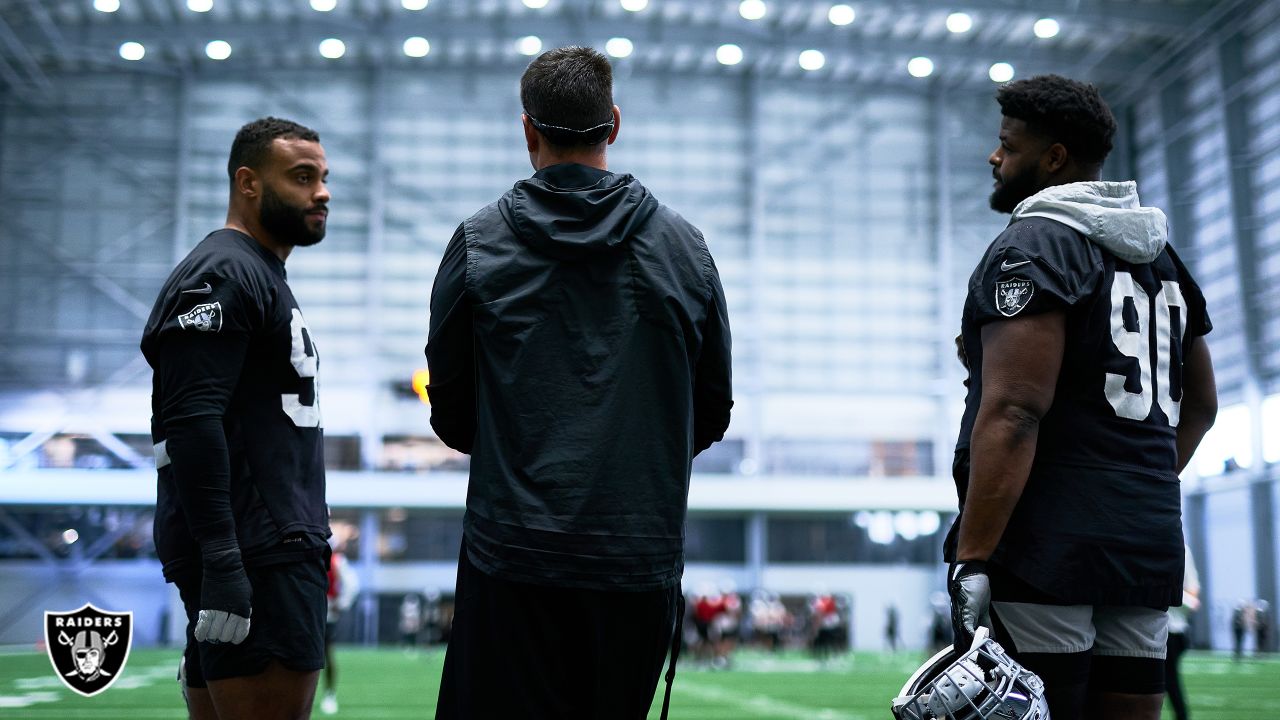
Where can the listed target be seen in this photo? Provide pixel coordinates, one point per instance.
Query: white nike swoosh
(201, 291)
(1006, 265)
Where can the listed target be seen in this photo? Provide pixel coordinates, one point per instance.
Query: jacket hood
(571, 211)
(1108, 213)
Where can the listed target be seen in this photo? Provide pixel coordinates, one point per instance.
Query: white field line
(48, 689)
(762, 705)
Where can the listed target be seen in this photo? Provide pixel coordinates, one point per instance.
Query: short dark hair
(253, 142)
(1064, 110)
(569, 88)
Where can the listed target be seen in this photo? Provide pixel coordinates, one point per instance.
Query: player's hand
(970, 592)
(225, 596)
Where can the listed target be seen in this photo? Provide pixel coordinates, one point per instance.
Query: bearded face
(1014, 188)
(296, 225)
(1016, 165)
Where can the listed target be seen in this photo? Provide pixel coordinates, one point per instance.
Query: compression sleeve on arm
(198, 370)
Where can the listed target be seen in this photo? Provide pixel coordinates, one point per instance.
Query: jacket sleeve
(450, 351)
(712, 382)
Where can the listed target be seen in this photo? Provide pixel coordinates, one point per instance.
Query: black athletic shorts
(288, 624)
(527, 651)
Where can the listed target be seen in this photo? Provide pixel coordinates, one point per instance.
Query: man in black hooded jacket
(579, 352)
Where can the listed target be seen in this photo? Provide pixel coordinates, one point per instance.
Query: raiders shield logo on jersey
(88, 647)
(1013, 295)
(206, 317)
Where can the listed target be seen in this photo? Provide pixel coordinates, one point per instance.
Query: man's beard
(287, 223)
(1014, 190)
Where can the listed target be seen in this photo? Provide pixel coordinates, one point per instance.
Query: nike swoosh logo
(201, 291)
(1007, 266)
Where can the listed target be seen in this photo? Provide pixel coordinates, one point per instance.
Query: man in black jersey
(579, 351)
(1090, 386)
(241, 520)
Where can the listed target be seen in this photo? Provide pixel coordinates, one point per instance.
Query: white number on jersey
(305, 365)
(1140, 344)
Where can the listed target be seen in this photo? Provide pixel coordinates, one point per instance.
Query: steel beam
(1244, 232)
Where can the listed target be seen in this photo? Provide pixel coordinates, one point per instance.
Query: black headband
(571, 136)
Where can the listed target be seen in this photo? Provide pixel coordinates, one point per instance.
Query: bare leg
(276, 693)
(199, 704)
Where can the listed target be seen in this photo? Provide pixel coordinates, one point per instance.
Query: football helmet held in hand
(983, 683)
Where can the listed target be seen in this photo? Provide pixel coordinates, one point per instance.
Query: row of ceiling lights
(839, 14)
(618, 47)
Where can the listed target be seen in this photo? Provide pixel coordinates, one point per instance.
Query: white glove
(220, 626)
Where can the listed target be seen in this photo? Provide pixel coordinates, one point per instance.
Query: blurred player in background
(344, 586)
(241, 519)
(410, 622)
(1090, 386)
(579, 352)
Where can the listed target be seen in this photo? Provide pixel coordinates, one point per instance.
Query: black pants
(529, 651)
(1172, 682)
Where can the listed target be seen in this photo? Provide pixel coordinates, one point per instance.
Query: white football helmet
(983, 683)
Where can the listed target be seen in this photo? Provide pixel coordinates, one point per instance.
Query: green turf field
(387, 684)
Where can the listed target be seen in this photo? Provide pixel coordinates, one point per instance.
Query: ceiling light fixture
(619, 47)
(218, 50)
(752, 9)
(132, 51)
(1001, 72)
(812, 60)
(920, 67)
(841, 15)
(529, 45)
(959, 22)
(728, 54)
(417, 47)
(332, 48)
(1046, 28)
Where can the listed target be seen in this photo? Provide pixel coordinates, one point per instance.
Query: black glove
(970, 592)
(225, 596)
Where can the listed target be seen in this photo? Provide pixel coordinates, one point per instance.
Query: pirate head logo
(1013, 295)
(88, 647)
(206, 317)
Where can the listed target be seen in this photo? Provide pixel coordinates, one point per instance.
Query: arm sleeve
(1035, 266)
(712, 382)
(451, 352)
(202, 351)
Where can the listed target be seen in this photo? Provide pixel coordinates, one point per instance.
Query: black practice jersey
(226, 340)
(1100, 517)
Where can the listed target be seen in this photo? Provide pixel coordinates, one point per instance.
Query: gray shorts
(1116, 630)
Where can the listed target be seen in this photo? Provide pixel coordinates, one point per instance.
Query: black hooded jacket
(579, 351)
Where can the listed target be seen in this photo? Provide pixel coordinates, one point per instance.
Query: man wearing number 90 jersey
(1090, 386)
(241, 520)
